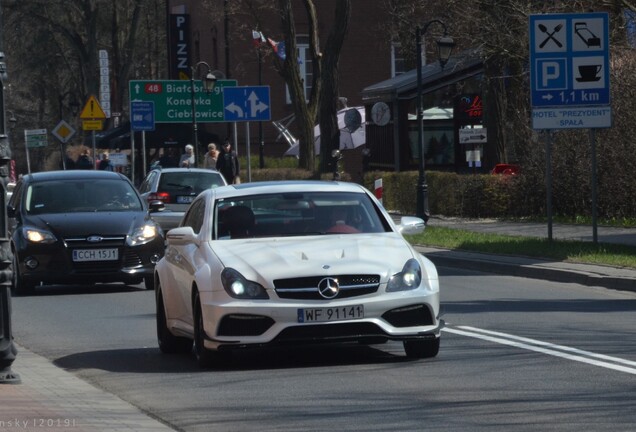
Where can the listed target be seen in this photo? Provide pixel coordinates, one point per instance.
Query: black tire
(421, 348)
(205, 357)
(149, 282)
(169, 343)
(19, 287)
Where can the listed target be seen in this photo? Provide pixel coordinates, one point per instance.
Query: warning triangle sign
(92, 110)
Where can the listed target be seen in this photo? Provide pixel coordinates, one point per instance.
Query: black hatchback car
(81, 227)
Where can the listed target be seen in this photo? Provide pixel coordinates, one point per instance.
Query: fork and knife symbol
(550, 34)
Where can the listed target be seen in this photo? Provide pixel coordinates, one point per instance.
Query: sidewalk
(557, 271)
(49, 398)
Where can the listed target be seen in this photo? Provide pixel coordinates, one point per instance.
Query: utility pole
(8, 351)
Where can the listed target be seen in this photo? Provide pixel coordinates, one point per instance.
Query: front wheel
(19, 286)
(149, 282)
(421, 348)
(205, 357)
(168, 343)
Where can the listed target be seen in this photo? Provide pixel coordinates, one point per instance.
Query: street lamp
(445, 45)
(209, 82)
(336, 155)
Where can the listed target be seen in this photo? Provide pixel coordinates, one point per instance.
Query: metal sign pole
(143, 153)
(548, 181)
(247, 146)
(26, 150)
(594, 187)
(94, 150)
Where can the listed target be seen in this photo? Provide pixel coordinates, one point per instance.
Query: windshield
(297, 214)
(189, 182)
(72, 196)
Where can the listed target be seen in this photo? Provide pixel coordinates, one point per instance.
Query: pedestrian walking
(211, 157)
(85, 161)
(228, 164)
(187, 159)
(106, 164)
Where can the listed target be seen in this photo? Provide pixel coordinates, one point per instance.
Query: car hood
(270, 259)
(87, 223)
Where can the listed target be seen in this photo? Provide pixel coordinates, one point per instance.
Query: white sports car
(293, 262)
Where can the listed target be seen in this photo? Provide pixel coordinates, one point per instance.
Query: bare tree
(322, 100)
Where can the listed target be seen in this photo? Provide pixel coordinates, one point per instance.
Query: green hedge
(450, 194)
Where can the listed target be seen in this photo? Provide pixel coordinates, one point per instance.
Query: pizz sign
(180, 46)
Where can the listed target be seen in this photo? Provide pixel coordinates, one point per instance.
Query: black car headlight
(238, 287)
(38, 236)
(409, 278)
(143, 234)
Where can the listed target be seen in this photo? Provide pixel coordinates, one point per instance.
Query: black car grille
(306, 288)
(332, 332)
(409, 316)
(244, 325)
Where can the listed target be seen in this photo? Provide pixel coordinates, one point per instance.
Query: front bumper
(397, 316)
(50, 264)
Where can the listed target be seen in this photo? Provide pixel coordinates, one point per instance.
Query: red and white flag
(258, 38)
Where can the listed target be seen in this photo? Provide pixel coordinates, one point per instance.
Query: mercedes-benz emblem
(328, 288)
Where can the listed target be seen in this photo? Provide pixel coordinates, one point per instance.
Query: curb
(587, 275)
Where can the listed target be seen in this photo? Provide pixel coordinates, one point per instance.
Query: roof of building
(459, 67)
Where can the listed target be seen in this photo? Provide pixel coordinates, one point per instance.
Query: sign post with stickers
(570, 83)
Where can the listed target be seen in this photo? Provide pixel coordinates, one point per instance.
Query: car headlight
(142, 234)
(409, 278)
(34, 235)
(238, 287)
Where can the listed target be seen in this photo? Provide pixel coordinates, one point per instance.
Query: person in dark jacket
(85, 161)
(106, 164)
(228, 164)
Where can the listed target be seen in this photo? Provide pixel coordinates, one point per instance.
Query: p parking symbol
(551, 74)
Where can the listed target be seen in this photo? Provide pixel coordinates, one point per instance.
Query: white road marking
(562, 351)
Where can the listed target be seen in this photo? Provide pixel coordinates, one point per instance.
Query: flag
(278, 47)
(258, 38)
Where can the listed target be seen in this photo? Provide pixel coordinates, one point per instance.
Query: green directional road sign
(35, 138)
(173, 100)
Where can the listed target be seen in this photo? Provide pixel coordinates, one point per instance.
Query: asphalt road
(517, 354)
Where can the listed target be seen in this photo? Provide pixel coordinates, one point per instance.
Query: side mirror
(182, 236)
(411, 225)
(156, 206)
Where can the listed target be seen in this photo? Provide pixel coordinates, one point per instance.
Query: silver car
(170, 191)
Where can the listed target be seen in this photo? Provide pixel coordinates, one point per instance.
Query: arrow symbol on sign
(256, 105)
(548, 96)
(234, 108)
(136, 88)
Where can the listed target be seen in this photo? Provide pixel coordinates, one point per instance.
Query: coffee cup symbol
(589, 73)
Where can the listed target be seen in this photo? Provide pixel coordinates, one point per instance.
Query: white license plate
(184, 199)
(342, 313)
(82, 255)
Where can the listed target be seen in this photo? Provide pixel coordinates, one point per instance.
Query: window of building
(306, 66)
(397, 60)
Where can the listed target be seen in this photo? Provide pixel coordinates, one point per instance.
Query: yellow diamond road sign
(63, 131)
(92, 110)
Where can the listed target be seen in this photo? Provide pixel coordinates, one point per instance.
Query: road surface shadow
(151, 360)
